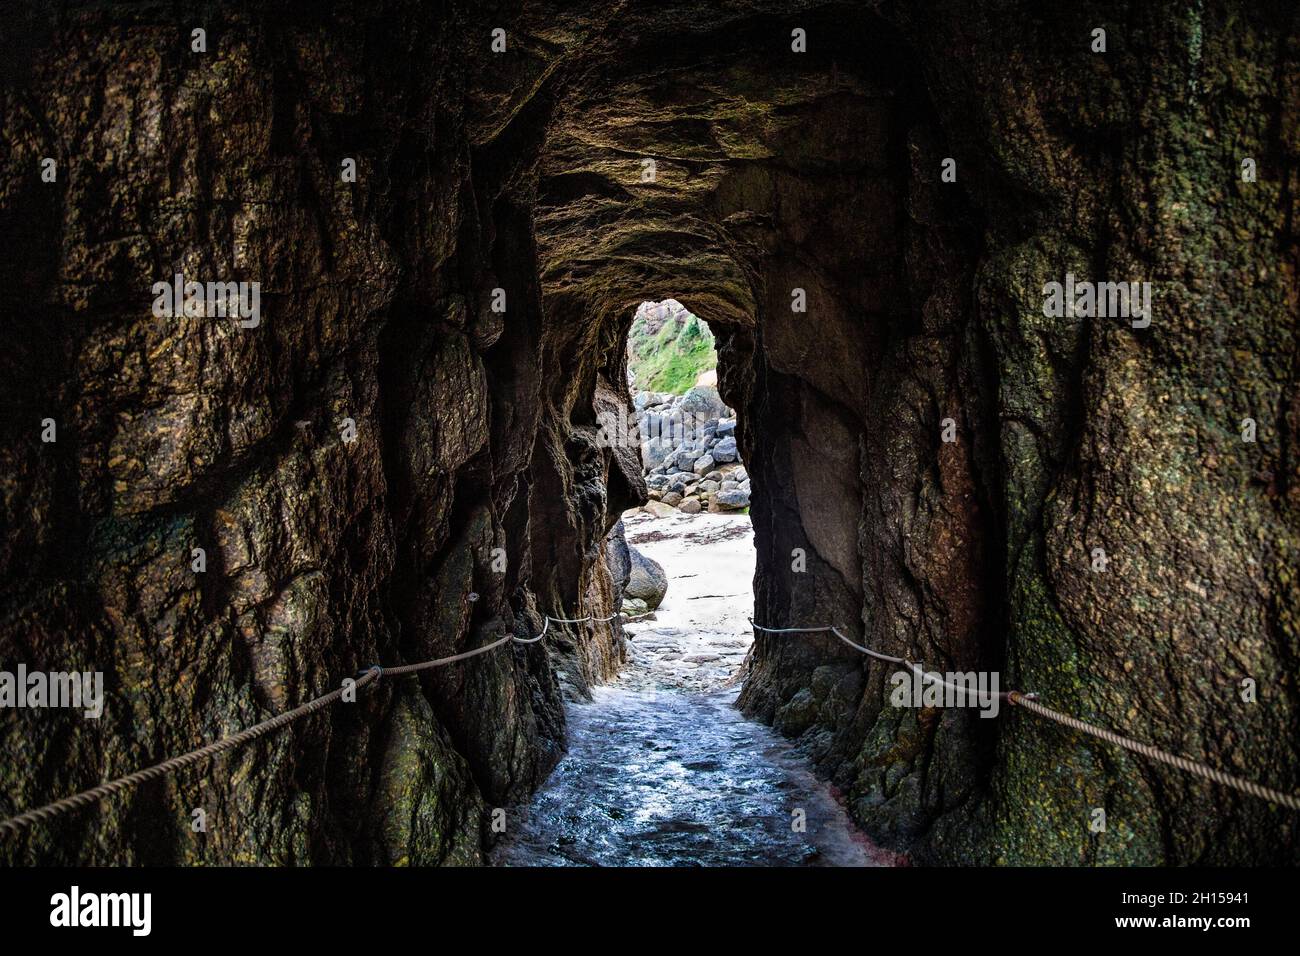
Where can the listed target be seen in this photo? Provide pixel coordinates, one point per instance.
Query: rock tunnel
(865, 200)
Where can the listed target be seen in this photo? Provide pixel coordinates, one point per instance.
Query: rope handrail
(533, 640)
(112, 787)
(832, 629)
(918, 668)
(373, 674)
(1290, 801)
(363, 679)
(401, 669)
(597, 620)
(1030, 703)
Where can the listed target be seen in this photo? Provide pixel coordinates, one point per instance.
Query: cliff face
(477, 493)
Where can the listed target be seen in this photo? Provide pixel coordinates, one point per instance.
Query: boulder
(708, 486)
(690, 506)
(797, 714)
(684, 458)
(658, 509)
(732, 498)
(673, 498)
(740, 474)
(653, 454)
(726, 450)
(651, 424)
(726, 427)
(703, 465)
(618, 558)
(704, 402)
(646, 581)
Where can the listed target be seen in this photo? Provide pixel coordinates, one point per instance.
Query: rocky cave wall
(478, 430)
(323, 556)
(1128, 166)
(821, 172)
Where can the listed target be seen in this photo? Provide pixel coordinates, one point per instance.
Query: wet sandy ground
(662, 770)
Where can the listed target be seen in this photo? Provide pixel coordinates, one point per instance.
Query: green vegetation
(668, 355)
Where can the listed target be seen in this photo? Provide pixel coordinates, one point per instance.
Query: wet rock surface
(655, 777)
(662, 769)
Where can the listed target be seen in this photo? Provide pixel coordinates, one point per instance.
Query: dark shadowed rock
(618, 558)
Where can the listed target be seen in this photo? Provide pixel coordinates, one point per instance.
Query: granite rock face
(863, 309)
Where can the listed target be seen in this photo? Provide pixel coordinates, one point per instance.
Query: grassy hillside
(668, 355)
